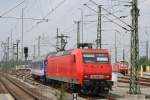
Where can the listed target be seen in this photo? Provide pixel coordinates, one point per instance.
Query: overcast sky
(62, 14)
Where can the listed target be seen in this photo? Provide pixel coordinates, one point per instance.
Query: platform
(6, 97)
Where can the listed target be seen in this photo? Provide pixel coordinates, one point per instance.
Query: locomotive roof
(60, 53)
(66, 52)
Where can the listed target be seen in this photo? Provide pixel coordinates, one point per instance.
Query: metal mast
(57, 42)
(147, 49)
(34, 50)
(11, 45)
(78, 33)
(39, 45)
(22, 35)
(82, 23)
(8, 48)
(98, 41)
(115, 48)
(134, 78)
(17, 44)
(123, 56)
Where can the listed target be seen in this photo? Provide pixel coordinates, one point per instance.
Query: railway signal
(26, 52)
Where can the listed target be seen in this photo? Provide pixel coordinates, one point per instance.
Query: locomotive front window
(95, 58)
(102, 58)
(89, 58)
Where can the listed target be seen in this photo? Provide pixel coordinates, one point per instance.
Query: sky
(62, 14)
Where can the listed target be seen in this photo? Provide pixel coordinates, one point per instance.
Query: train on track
(84, 70)
(121, 67)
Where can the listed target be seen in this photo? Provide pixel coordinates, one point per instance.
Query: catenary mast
(134, 78)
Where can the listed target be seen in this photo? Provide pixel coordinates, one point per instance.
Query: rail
(18, 86)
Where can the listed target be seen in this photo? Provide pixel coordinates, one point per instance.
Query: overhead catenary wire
(112, 14)
(117, 17)
(59, 4)
(109, 19)
(116, 23)
(24, 18)
(50, 12)
(12, 8)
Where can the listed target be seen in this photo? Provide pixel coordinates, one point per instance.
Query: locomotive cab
(96, 66)
(95, 70)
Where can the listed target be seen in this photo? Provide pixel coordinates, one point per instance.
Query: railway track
(3, 88)
(28, 78)
(102, 96)
(143, 81)
(18, 90)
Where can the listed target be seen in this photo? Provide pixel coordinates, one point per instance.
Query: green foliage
(142, 60)
(146, 63)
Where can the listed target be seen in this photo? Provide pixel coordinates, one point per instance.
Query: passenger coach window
(103, 58)
(89, 58)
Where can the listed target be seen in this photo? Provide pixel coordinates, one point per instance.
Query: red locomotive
(121, 67)
(87, 70)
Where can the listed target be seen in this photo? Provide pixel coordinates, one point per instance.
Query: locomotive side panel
(62, 68)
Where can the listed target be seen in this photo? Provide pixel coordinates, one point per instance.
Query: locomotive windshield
(123, 63)
(89, 58)
(102, 58)
(94, 58)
